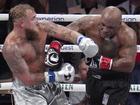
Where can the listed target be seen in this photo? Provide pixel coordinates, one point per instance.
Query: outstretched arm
(86, 45)
(82, 24)
(60, 32)
(72, 31)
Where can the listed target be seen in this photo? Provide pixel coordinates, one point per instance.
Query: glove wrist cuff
(105, 63)
(49, 76)
(79, 38)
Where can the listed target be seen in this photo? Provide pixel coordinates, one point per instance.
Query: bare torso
(29, 56)
(106, 47)
(33, 54)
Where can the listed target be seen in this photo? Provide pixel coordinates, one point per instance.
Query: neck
(19, 32)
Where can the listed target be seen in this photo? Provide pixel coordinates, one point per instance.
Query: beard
(31, 34)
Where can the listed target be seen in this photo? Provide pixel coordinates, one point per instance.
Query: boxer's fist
(65, 74)
(100, 62)
(53, 57)
(87, 46)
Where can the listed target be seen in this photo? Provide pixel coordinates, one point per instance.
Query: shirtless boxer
(109, 72)
(24, 53)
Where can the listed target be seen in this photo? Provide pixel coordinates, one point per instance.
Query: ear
(21, 24)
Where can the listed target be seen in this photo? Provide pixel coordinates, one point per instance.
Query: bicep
(129, 47)
(61, 32)
(128, 52)
(81, 24)
(75, 26)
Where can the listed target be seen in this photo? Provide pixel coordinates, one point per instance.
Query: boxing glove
(65, 74)
(53, 57)
(100, 62)
(87, 46)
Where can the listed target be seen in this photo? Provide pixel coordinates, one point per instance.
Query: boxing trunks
(107, 87)
(42, 94)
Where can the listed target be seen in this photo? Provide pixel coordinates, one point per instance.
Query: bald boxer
(109, 72)
(36, 80)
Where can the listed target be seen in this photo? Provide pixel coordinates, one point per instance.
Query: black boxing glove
(100, 62)
(53, 57)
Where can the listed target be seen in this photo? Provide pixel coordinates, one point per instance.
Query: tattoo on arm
(61, 32)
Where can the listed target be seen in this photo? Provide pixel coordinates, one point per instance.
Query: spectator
(39, 5)
(88, 5)
(76, 98)
(60, 8)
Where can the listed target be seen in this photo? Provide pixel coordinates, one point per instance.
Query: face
(108, 28)
(30, 25)
(30, 21)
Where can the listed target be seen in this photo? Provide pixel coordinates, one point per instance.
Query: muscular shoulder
(10, 43)
(9, 48)
(84, 22)
(46, 25)
(128, 35)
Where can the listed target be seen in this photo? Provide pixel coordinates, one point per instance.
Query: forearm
(123, 65)
(61, 32)
(86, 45)
(112, 64)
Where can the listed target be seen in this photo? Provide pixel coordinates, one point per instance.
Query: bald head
(112, 14)
(110, 23)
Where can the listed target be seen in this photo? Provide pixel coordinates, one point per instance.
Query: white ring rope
(70, 87)
(71, 17)
(71, 48)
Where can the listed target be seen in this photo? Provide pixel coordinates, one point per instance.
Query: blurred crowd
(74, 7)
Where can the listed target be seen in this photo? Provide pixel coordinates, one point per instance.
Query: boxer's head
(23, 16)
(110, 22)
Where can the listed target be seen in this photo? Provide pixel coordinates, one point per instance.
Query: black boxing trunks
(107, 87)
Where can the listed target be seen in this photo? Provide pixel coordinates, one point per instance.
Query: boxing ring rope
(135, 88)
(71, 17)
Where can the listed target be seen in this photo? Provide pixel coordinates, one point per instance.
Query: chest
(109, 48)
(32, 51)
